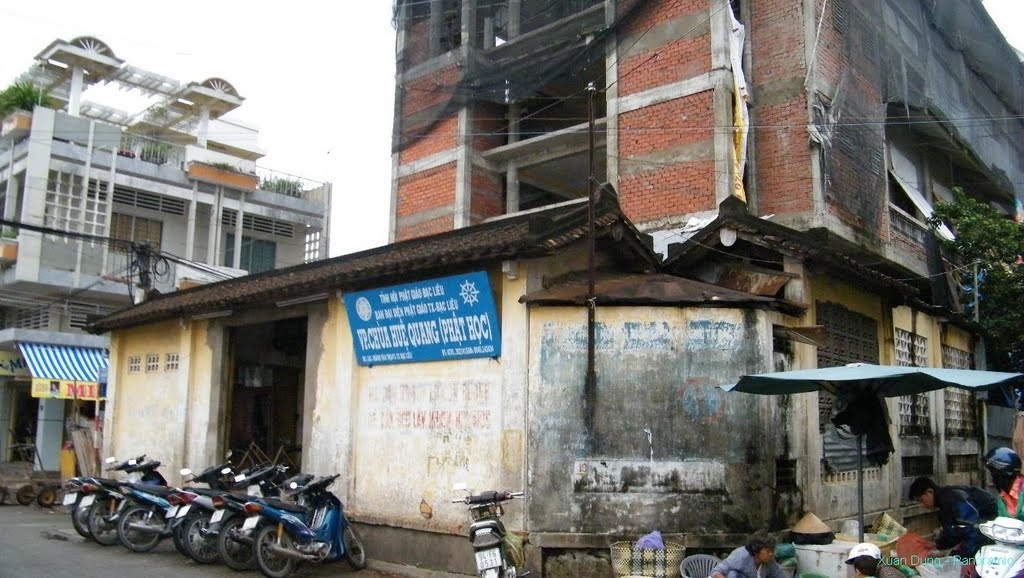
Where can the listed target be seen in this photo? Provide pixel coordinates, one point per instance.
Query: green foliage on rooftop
(24, 96)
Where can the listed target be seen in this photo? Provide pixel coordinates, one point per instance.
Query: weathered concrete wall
(146, 410)
(705, 466)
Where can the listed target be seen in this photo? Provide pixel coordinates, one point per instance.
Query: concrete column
(512, 173)
(49, 434)
(109, 207)
(464, 169)
(721, 28)
(10, 202)
(436, 23)
(237, 261)
(86, 171)
(204, 125)
(214, 229)
(468, 24)
(515, 20)
(489, 32)
(37, 171)
(190, 228)
(75, 94)
(611, 58)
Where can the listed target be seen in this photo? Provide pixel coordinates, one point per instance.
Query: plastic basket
(651, 563)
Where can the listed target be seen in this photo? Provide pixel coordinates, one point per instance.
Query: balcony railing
(291, 185)
(905, 225)
(152, 151)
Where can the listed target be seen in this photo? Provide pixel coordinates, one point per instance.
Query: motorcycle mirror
(459, 487)
(185, 472)
(227, 455)
(110, 460)
(293, 485)
(226, 471)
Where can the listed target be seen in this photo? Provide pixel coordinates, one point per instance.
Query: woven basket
(630, 561)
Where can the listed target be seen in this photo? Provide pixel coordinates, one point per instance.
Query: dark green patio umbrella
(881, 380)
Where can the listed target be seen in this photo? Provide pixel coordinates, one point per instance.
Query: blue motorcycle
(316, 531)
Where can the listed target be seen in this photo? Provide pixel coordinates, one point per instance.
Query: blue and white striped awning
(64, 362)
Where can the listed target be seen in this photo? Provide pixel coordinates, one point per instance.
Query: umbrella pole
(860, 487)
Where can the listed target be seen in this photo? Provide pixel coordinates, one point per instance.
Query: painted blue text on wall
(446, 318)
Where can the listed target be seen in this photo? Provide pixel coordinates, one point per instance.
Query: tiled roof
(524, 235)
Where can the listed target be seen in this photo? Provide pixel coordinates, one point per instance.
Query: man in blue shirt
(755, 560)
(961, 509)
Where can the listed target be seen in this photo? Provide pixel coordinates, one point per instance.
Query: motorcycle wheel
(101, 528)
(355, 553)
(137, 540)
(25, 494)
(80, 520)
(238, 556)
(202, 547)
(271, 564)
(178, 537)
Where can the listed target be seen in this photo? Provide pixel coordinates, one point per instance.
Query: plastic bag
(652, 541)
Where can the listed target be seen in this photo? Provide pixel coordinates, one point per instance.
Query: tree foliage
(995, 243)
(22, 95)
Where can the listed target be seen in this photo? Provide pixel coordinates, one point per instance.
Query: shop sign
(12, 364)
(56, 388)
(446, 318)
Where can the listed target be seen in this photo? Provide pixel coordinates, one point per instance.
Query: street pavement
(41, 542)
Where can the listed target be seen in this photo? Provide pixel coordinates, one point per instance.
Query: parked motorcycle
(495, 558)
(317, 531)
(234, 545)
(1005, 558)
(103, 496)
(79, 501)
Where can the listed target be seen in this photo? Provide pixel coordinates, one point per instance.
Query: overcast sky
(318, 78)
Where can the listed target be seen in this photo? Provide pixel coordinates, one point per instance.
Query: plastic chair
(698, 565)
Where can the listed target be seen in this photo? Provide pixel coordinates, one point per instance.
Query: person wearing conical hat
(755, 560)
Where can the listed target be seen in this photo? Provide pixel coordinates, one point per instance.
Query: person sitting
(866, 559)
(756, 559)
(1004, 466)
(961, 509)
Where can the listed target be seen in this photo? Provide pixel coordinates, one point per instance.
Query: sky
(317, 78)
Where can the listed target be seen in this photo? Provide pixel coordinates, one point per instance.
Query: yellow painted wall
(148, 414)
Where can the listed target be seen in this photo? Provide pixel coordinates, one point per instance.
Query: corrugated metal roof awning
(63, 362)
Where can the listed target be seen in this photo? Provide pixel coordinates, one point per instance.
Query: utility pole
(590, 384)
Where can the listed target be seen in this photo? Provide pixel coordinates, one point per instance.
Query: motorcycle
(495, 557)
(1005, 558)
(103, 497)
(234, 545)
(195, 506)
(79, 500)
(317, 531)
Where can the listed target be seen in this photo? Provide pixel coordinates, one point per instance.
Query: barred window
(913, 410)
(137, 229)
(171, 362)
(152, 362)
(134, 364)
(961, 420)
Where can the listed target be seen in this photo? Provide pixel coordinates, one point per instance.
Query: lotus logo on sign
(447, 318)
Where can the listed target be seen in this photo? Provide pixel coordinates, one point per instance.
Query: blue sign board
(447, 318)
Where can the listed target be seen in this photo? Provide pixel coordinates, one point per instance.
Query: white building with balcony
(175, 175)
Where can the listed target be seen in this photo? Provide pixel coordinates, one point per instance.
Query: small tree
(24, 96)
(995, 243)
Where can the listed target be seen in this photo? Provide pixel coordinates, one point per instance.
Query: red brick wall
(442, 137)
(656, 12)
(665, 188)
(673, 62)
(488, 199)
(426, 190)
(427, 95)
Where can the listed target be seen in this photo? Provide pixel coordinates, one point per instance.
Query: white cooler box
(827, 560)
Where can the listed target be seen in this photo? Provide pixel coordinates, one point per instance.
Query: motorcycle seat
(108, 482)
(152, 489)
(282, 505)
(204, 492)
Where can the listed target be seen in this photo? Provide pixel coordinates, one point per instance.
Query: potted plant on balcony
(16, 104)
(222, 174)
(8, 246)
(284, 186)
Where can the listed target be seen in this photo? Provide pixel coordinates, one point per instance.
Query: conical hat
(810, 524)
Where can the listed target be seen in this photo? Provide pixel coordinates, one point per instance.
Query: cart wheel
(4, 494)
(47, 497)
(25, 494)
